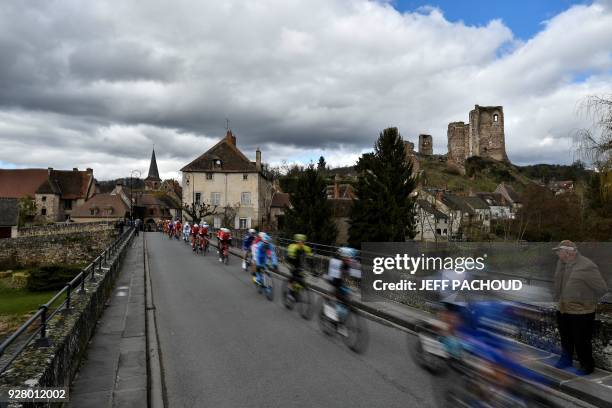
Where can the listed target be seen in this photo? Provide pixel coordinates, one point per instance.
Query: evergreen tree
(383, 210)
(310, 211)
(321, 165)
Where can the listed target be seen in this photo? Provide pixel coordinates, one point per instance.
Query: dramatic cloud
(97, 86)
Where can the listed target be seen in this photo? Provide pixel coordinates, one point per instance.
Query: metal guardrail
(44, 313)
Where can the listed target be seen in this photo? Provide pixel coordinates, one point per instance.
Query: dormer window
(209, 176)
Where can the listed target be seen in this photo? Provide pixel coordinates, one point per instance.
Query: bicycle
(224, 252)
(301, 296)
(337, 317)
(265, 284)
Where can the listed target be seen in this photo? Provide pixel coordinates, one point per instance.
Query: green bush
(51, 277)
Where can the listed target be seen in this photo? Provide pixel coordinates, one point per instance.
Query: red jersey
(194, 229)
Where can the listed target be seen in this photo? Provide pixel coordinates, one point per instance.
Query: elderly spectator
(578, 286)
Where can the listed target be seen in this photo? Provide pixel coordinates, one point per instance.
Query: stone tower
(457, 140)
(153, 182)
(425, 145)
(411, 156)
(486, 133)
(483, 136)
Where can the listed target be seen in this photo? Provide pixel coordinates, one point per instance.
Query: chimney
(49, 170)
(75, 169)
(258, 159)
(231, 139)
(89, 170)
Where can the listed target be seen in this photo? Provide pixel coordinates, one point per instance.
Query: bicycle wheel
(268, 286)
(285, 294)
(305, 306)
(327, 326)
(356, 339)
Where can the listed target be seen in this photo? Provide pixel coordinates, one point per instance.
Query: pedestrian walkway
(114, 370)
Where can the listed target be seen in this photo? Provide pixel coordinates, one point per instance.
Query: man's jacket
(578, 286)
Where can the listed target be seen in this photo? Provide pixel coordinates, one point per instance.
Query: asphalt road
(225, 345)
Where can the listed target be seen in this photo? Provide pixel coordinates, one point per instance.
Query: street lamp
(132, 192)
(189, 177)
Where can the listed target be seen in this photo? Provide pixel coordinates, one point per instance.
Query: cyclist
(203, 235)
(295, 256)
(247, 243)
(178, 229)
(225, 239)
(263, 252)
(195, 229)
(339, 269)
(186, 231)
(170, 229)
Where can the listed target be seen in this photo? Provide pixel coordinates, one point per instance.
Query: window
(217, 222)
(92, 211)
(43, 211)
(445, 231)
(245, 177)
(243, 223)
(43, 199)
(151, 211)
(245, 198)
(198, 197)
(68, 205)
(209, 176)
(215, 198)
(438, 231)
(495, 117)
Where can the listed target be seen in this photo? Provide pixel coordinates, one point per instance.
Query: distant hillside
(483, 174)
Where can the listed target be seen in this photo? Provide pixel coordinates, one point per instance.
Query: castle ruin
(483, 136)
(425, 145)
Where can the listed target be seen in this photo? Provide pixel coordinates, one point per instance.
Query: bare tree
(198, 211)
(229, 215)
(595, 144)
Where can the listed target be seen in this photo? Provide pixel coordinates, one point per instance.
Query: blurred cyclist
(247, 242)
(295, 256)
(225, 239)
(264, 251)
(186, 231)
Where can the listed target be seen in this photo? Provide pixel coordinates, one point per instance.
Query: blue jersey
(247, 241)
(264, 251)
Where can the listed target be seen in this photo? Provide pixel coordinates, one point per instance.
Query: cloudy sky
(97, 86)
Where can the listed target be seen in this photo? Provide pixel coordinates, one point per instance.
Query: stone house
(225, 179)
(103, 207)
(482, 212)
(431, 224)
(511, 197)
(280, 201)
(56, 192)
(561, 187)
(500, 209)
(9, 217)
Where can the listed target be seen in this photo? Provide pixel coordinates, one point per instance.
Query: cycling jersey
(296, 253)
(194, 229)
(262, 252)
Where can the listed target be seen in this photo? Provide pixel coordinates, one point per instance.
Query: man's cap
(565, 244)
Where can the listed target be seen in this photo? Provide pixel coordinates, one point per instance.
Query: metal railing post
(93, 269)
(43, 341)
(83, 280)
(68, 295)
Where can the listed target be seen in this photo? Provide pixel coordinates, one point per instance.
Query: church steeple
(152, 182)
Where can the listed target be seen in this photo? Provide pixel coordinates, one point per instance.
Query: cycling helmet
(299, 237)
(347, 252)
(205, 224)
(264, 237)
(252, 231)
(225, 229)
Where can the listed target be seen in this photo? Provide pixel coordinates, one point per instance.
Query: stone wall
(73, 248)
(65, 228)
(69, 334)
